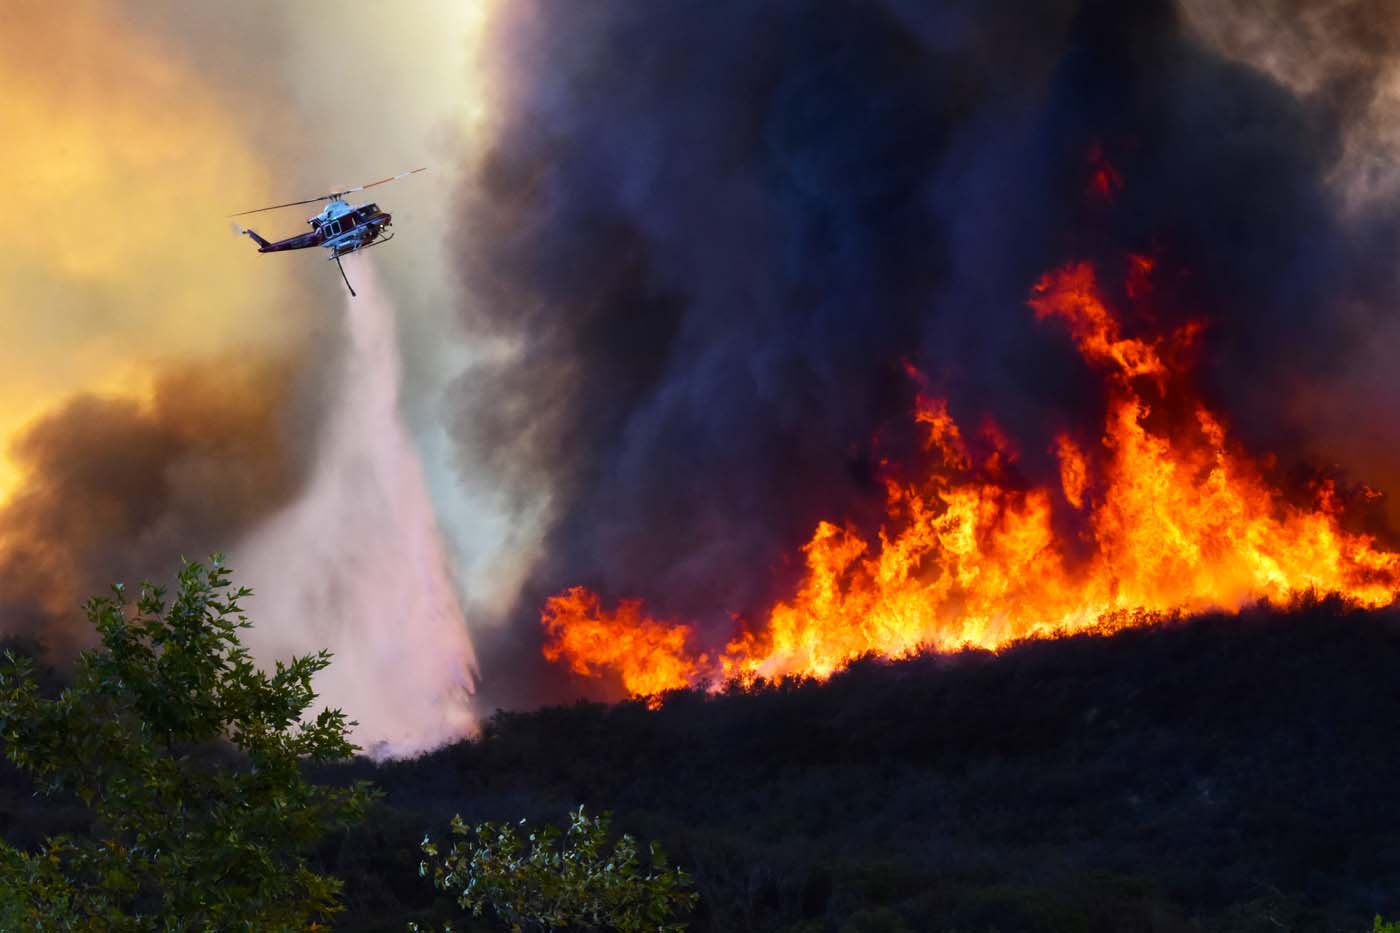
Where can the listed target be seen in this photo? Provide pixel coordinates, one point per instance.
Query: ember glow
(1173, 517)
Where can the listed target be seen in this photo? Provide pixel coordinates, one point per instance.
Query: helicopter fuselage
(340, 228)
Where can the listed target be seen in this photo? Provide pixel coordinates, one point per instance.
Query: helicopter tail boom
(304, 241)
(262, 244)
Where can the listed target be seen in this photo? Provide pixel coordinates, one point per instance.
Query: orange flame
(1074, 470)
(650, 656)
(1180, 521)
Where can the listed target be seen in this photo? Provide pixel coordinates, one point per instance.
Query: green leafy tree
(190, 758)
(546, 880)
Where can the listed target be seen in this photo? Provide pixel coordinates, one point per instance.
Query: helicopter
(339, 227)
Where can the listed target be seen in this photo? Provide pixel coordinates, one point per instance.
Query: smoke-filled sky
(713, 232)
(164, 389)
(655, 293)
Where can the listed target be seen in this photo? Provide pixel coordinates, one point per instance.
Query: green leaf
(561, 880)
(203, 838)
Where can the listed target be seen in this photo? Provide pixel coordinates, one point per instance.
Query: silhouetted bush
(190, 762)
(1225, 774)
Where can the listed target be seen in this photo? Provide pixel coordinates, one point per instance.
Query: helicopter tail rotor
(251, 234)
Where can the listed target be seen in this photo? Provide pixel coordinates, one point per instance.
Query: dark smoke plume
(115, 489)
(713, 231)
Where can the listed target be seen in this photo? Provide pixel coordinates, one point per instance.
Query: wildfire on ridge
(649, 656)
(1179, 520)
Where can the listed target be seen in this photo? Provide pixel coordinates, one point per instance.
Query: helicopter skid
(384, 238)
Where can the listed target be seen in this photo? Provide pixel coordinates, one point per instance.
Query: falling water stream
(357, 564)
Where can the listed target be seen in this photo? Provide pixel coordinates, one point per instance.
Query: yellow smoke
(117, 166)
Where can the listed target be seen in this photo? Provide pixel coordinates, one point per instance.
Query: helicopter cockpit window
(369, 209)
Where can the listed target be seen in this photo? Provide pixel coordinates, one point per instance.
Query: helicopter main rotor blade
(334, 194)
(324, 197)
(383, 181)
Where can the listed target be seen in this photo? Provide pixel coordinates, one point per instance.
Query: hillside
(1223, 773)
(1219, 774)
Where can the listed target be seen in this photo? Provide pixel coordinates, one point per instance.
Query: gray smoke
(117, 489)
(710, 233)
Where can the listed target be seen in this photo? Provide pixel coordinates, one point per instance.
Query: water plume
(357, 563)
